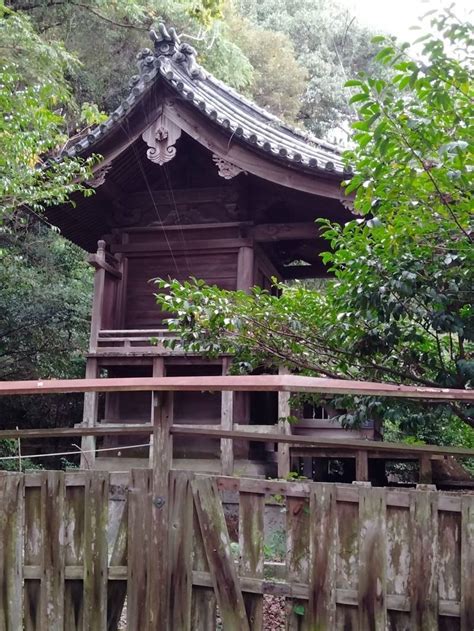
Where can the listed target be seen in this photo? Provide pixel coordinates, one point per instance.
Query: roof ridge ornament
(168, 44)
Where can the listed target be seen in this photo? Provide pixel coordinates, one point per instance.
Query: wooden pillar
(98, 300)
(227, 423)
(158, 370)
(158, 566)
(426, 473)
(284, 427)
(89, 417)
(362, 466)
(245, 267)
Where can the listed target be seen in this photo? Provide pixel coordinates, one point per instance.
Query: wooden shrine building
(194, 180)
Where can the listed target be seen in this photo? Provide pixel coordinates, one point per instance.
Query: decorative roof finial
(168, 44)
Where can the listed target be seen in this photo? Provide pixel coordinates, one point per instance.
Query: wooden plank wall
(141, 310)
(74, 545)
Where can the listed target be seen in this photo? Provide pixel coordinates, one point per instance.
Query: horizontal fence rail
(289, 445)
(253, 383)
(296, 441)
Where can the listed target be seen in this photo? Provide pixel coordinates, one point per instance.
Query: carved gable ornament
(161, 137)
(226, 169)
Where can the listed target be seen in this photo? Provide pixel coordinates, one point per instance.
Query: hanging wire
(181, 231)
(157, 212)
(73, 453)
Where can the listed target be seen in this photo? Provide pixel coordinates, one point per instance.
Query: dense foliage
(400, 306)
(33, 94)
(329, 43)
(292, 57)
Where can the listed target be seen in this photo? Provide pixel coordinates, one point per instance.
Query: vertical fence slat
(74, 552)
(181, 550)
(96, 498)
(203, 599)
(424, 568)
(219, 555)
(117, 590)
(53, 556)
(467, 563)
(139, 515)
(33, 551)
(11, 547)
(297, 557)
(372, 559)
(284, 411)
(323, 542)
(158, 570)
(227, 444)
(251, 509)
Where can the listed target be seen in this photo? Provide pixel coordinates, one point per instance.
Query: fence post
(426, 474)
(227, 423)
(158, 595)
(158, 371)
(89, 418)
(362, 466)
(284, 461)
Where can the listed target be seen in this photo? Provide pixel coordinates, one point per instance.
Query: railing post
(227, 423)
(285, 428)
(426, 472)
(89, 418)
(158, 370)
(158, 568)
(362, 466)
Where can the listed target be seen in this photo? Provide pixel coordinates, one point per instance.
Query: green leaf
(361, 96)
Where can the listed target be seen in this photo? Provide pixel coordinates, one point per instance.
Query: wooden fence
(74, 546)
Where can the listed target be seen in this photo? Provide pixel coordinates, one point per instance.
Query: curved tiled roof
(175, 64)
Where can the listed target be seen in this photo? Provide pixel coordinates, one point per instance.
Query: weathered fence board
(297, 555)
(95, 550)
(424, 570)
(203, 599)
(11, 526)
(53, 557)
(323, 542)
(219, 555)
(181, 551)
(251, 512)
(139, 515)
(356, 557)
(372, 559)
(467, 563)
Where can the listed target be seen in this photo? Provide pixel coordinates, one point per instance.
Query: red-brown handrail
(253, 383)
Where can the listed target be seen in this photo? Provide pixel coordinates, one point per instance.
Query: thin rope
(181, 230)
(73, 453)
(157, 212)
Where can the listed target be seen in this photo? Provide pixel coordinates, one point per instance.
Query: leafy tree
(45, 285)
(33, 91)
(45, 302)
(329, 43)
(400, 305)
(277, 81)
(248, 57)
(106, 37)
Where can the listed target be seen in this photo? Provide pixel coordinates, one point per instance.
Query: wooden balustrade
(288, 444)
